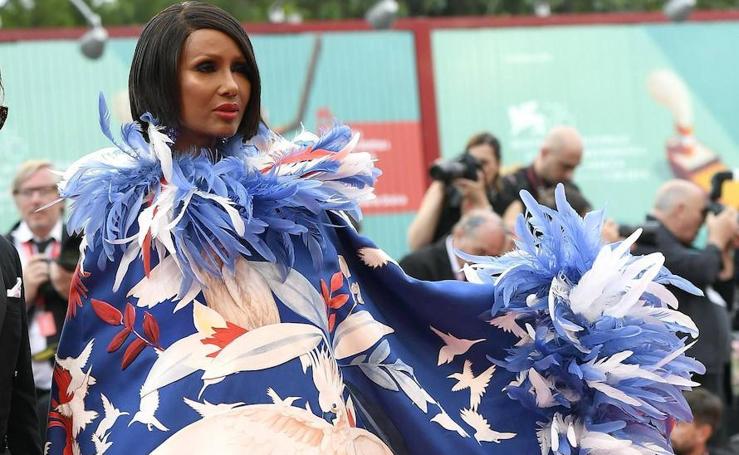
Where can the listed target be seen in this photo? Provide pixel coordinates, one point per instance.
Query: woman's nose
(229, 87)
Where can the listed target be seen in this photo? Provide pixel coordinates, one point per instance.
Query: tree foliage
(61, 13)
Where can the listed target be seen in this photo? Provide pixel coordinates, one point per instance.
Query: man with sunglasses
(18, 421)
(680, 212)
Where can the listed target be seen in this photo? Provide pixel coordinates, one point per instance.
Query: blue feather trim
(274, 205)
(590, 376)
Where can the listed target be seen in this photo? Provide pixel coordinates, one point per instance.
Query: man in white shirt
(480, 232)
(38, 237)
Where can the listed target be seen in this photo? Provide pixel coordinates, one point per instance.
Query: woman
(225, 305)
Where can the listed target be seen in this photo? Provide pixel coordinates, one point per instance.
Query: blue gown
(231, 308)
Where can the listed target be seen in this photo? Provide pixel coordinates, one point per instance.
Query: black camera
(648, 234)
(464, 166)
(717, 182)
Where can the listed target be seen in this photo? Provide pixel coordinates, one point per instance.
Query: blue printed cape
(230, 307)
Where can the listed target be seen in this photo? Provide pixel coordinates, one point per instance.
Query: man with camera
(680, 209)
(38, 238)
(558, 157)
(466, 183)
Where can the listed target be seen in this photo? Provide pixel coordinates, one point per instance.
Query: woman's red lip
(230, 107)
(227, 115)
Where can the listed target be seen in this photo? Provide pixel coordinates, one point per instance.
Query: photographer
(559, 155)
(680, 209)
(449, 196)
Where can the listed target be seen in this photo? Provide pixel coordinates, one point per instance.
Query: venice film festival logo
(533, 118)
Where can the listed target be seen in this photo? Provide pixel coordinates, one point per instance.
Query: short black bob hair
(153, 81)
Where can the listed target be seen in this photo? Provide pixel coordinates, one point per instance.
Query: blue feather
(104, 117)
(567, 348)
(274, 208)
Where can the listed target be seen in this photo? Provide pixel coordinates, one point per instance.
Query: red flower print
(222, 336)
(333, 301)
(111, 315)
(77, 291)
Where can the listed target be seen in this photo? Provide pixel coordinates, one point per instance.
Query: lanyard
(31, 249)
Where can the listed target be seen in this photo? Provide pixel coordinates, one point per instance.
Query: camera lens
(465, 166)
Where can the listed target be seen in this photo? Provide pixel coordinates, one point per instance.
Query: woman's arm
(422, 228)
(511, 214)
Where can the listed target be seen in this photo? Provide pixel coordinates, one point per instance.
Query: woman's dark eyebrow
(212, 56)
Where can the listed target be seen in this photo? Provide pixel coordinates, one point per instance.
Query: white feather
(672, 356)
(542, 389)
(129, 256)
(614, 393)
(663, 294)
(597, 443)
(161, 150)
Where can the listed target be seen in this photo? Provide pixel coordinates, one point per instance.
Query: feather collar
(255, 201)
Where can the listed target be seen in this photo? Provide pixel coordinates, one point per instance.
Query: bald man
(680, 209)
(559, 155)
(479, 232)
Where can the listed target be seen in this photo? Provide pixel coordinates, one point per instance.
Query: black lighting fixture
(92, 43)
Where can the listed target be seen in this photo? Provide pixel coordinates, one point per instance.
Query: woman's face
(214, 90)
(488, 163)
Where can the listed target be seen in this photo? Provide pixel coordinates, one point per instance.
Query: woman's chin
(225, 132)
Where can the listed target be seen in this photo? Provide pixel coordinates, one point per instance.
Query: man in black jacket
(559, 155)
(479, 232)
(18, 421)
(679, 211)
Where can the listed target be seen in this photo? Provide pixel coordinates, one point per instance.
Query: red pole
(426, 93)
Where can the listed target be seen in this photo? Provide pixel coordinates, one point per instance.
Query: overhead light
(277, 15)
(92, 43)
(382, 14)
(678, 10)
(276, 12)
(542, 8)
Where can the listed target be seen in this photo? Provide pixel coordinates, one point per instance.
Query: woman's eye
(205, 67)
(240, 68)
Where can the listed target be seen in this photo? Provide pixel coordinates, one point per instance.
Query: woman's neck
(188, 142)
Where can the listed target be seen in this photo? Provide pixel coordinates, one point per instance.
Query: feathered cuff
(599, 356)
